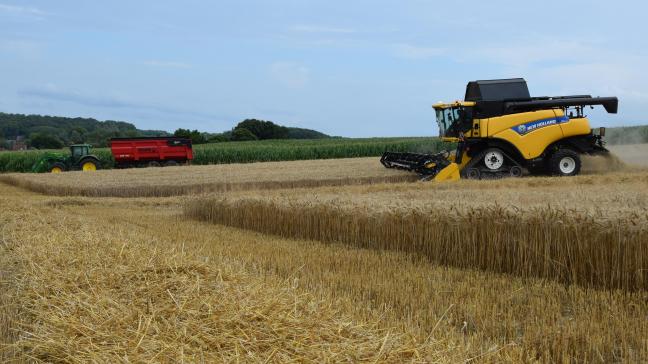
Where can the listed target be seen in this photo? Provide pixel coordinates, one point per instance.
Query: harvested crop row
(555, 242)
(173, 181)
(89, 291)
(493, 317)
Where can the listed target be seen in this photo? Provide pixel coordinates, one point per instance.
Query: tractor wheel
(57, 167)
(565, 162)
(89, 165)
(170, 163)
(154, 164)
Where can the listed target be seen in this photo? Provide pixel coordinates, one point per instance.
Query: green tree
(77, 135)
(242, 134)
(218, 138)
(195, 136)
(69, 130)
(264, 129)
(300, 133)
(43, 141)
(182, 133)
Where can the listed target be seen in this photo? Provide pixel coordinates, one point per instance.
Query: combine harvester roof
(509, 96)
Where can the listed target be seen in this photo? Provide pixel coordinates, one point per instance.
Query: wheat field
(587, 234)
(171, 181)
(525, 270)
(77, 264)
(97, 288)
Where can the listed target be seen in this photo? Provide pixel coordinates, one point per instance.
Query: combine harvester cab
(500, 131)
(151, 151)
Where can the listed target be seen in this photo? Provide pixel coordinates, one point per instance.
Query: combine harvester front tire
(564, 162)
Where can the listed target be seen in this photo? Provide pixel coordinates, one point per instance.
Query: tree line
(251, 129)
(53, 132)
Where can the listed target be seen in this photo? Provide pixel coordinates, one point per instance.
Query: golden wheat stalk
(554, 243)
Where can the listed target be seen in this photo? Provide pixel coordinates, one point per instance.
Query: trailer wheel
(57, 167)
(170, 163)
(154, 164)
(565, 162)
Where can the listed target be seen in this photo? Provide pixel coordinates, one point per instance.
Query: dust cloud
(634, 155)
(622, 158)
(603, 164)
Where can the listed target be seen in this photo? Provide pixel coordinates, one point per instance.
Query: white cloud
(535, 51)
(563, 65)
(52, 92)
(321, 29)
(609, 78)
(290, 74)
(409, 51)
(166, 64)
(21, 10)
(568, 67)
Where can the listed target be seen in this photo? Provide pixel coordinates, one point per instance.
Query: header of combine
(501, 131)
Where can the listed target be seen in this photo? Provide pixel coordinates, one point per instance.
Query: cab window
(79, 151)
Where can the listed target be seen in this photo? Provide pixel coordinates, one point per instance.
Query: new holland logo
(538, 124)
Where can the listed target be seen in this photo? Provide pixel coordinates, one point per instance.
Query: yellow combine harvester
(500, 131)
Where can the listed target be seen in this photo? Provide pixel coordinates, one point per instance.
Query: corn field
(257, 151)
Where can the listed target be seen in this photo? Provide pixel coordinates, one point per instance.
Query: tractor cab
(78, 151)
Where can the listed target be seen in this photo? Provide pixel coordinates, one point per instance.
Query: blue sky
(350, 68)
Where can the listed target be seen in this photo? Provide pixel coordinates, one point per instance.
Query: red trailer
(151, 151)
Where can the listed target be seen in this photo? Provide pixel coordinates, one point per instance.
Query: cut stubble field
(533, 269)
(172, 181)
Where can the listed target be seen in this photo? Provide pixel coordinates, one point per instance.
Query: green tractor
(79, 159)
